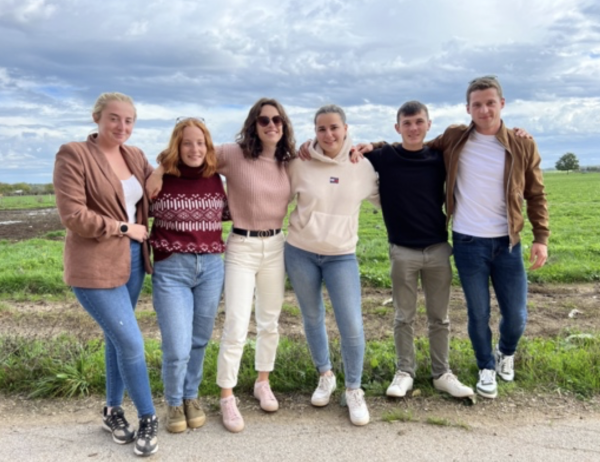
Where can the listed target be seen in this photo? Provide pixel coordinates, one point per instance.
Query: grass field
(27, 202)
(34, 267)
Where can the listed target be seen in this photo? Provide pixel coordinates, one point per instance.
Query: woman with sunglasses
(101, 201)
(258, 190)
(320, 248)
(188, 266)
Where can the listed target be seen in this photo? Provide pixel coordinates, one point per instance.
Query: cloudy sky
(215, 59)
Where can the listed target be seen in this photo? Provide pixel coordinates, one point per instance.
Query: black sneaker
(116, 423)
(146, 442)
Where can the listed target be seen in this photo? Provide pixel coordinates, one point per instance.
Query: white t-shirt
(132, 189)
(480, 200)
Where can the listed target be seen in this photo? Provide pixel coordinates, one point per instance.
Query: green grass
(27, 202)
(34, 267)
(65, 366)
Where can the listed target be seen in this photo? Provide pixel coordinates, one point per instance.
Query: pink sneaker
(232, 419)
(263, 393)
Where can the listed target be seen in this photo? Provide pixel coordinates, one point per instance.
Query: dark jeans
(478, 260)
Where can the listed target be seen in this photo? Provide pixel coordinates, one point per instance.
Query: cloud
(182, 58)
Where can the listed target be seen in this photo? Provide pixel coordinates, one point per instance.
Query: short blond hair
(106, 98)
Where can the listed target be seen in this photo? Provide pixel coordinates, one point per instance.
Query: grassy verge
(65, 367)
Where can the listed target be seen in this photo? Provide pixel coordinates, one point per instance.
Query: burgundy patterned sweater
(188, 213)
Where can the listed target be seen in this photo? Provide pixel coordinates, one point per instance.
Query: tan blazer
(91, 203)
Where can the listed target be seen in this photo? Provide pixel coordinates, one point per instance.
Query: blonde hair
(106, 98)
(170, 157)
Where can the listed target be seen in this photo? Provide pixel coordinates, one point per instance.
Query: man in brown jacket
(490, 172)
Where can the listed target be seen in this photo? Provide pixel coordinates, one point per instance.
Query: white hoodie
(329, 193)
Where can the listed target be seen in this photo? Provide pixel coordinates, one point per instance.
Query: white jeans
(254, 267)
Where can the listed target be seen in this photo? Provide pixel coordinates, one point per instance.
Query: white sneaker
(324, 390)
(486, 386)
(359, 414)
(505, 365)
(402, 383)
(450, 384)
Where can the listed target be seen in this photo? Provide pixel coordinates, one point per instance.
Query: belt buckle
(263, 234)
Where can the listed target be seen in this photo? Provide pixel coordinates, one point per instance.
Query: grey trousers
(432, 264)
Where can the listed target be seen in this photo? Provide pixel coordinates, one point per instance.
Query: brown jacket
(91, 203)
(522, 178)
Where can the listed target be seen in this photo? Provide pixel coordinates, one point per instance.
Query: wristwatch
(123, 228)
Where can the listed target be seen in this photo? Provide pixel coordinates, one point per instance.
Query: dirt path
(558, 431)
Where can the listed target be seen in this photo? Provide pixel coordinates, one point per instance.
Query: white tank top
(133, 193)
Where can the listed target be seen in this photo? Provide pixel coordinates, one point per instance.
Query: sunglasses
(183, 119)
(264, 121)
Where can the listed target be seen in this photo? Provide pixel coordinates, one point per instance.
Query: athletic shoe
(326, 387)
(450, 384)
(232, 419)
(194, 415)
(146, 442)
(505, 365)
(359, 414)
(400, 385)
(116, 423)
(176, 419)
(263, 393)
(486, 386)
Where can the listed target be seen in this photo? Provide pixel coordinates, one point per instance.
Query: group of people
(106, 191)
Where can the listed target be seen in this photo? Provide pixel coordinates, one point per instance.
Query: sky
(215, 59)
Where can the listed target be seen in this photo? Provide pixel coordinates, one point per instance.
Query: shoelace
(193, 402)
(324, 383)
(230, 410)
(487, 376)
(117, 420)
(399, 376)
(506, 364)
(148, 427)
(268, 392)
(355, 397)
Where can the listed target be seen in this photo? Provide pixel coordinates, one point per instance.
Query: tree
(568, 162)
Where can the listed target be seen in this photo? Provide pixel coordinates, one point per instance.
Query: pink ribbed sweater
(258, 190)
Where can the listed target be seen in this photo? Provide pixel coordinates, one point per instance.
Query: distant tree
(567, 162)
(23, 187)
(49, 188)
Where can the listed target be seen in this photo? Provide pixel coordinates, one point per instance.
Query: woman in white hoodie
(320, 247)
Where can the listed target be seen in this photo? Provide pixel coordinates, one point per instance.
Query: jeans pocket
(462, 238)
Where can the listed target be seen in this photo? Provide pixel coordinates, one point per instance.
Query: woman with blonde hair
(99, 186)
(188, 265)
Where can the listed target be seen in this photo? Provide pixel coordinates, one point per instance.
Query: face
(413, 130)
(485, 107)
(270, 134)
(116, 122)
(192, 149)
(331, 132)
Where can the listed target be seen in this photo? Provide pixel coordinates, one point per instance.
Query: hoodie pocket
(333, 232)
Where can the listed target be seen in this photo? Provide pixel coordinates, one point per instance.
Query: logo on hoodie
(334, 180)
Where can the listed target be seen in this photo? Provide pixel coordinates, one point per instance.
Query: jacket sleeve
(69, 180)
(373, 181)
(535, 195)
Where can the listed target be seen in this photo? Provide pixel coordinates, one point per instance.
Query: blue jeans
(307, 272)
(186, 290)
(478, 260)
(124, 352)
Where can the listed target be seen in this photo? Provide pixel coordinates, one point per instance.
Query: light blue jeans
(480, 260)
(186, 290)
(113, 310)
(307, 272)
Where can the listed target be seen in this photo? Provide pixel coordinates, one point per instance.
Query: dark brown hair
(248, 138)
